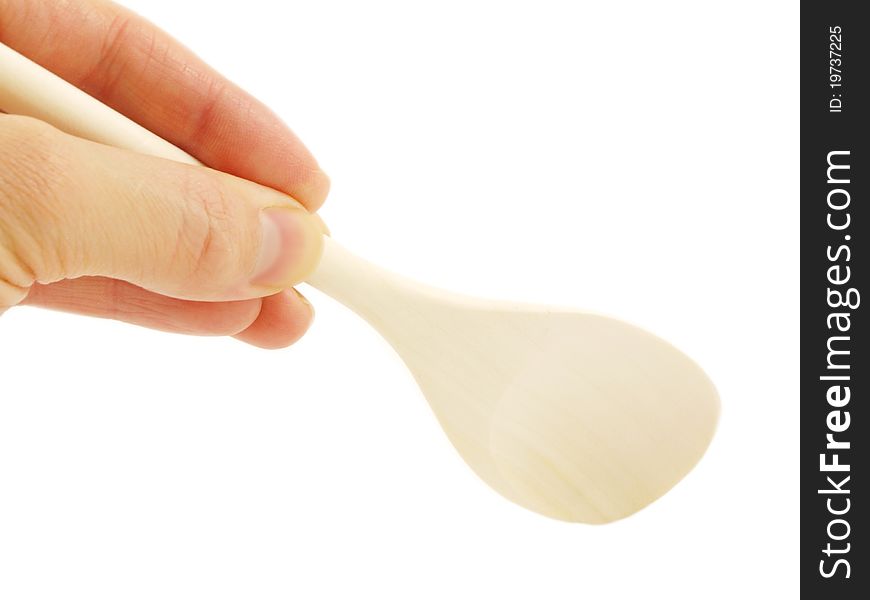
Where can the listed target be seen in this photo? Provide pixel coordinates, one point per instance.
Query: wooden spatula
(575, 415)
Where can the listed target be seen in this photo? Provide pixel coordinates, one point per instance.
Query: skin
(103, 232)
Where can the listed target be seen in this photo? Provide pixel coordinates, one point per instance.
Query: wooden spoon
(577, 416)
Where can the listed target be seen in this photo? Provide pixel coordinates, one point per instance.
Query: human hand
(100, 231)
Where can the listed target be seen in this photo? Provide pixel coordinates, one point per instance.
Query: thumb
(70, 207)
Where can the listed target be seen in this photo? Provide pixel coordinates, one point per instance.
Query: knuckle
(34, 165)
(30, 152)
(209, 237)
(114, 63)
(34, 168)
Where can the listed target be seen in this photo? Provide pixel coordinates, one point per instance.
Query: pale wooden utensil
(574, 415)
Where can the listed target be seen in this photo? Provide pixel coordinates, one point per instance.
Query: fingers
(135, 68)
(69, 207)
(283, 319)
(272, 322)
(122, 301)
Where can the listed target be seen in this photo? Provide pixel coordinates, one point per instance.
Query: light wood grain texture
(577, 416)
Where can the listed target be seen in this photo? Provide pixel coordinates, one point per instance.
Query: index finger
(129, 64)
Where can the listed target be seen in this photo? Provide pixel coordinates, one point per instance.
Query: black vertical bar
(834, 370)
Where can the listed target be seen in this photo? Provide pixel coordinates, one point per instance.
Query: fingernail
(304, 301)
(324, 229)
(290, 246)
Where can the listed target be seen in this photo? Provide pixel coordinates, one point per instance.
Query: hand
(100, 231)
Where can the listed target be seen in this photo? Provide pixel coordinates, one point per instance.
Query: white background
(638, 158)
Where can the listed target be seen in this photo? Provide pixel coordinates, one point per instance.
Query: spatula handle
(28, 89)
